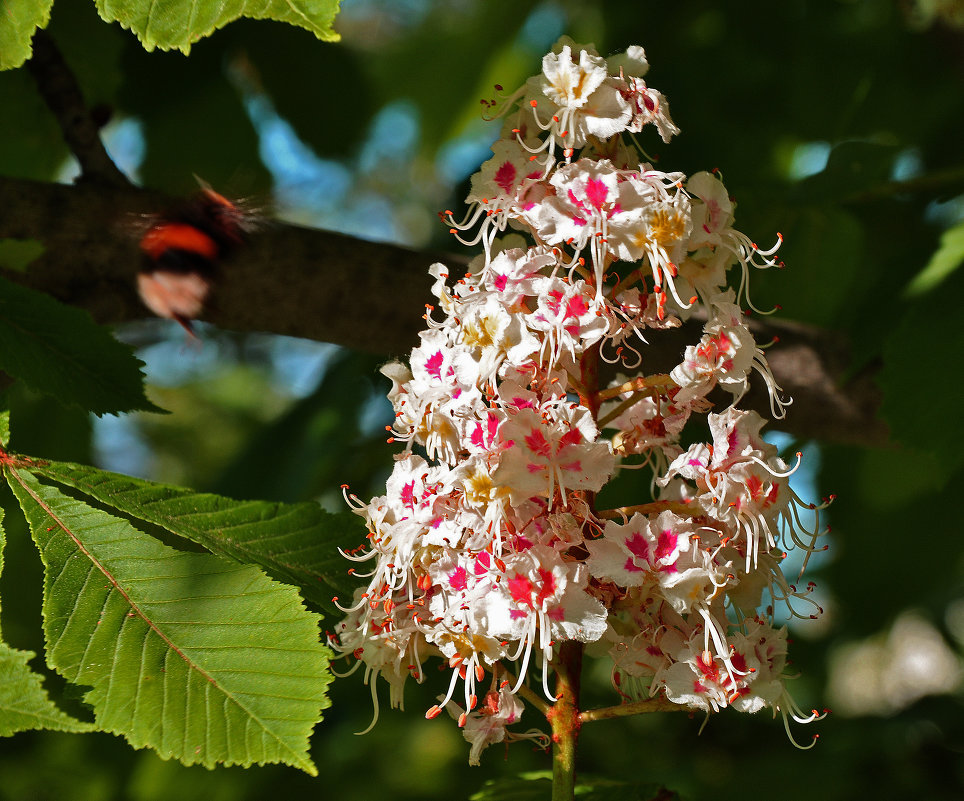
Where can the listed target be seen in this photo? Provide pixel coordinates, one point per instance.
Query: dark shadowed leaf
(58, 350)
(920, 415)
(195, 123)
(537, 786)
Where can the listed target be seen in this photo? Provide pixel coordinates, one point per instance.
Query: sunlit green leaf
(947, 258)
(295, 543)
(19, 19)
(58, 350)
(200, 659)
(24, 703)
(178, 24)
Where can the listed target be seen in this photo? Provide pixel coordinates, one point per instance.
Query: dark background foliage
(835, 122)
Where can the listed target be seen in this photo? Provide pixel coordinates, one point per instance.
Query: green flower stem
(659, 704)
(654, 507)
(565, 720)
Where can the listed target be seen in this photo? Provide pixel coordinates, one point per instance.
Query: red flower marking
(576, 306)
(520, 588)
(638, 546)
(708, 667)
(537, 444)
(459, 580)
(754, 486)
(666, 543)
(596, 193)
(548, 588)
(571, 437)
(505, 176)
(631, 567)
(434, 365)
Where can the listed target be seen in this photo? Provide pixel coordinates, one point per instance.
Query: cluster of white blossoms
(488, 547)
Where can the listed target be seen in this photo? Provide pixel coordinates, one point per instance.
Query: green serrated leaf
(200, 659)
(17, 254)
(4, 441)
(59, 350)
(295, 543)
(18, 21)
(24, 703)
(947, 258)
(178, 24)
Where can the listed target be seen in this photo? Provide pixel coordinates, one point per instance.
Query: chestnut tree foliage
(186, 608)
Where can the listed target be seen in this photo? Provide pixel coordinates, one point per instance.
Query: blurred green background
(837, 122)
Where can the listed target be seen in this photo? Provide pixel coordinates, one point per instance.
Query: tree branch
(365, 295)
(61, 93)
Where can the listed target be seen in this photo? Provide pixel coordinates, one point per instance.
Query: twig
(61, 93)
